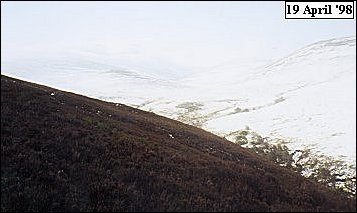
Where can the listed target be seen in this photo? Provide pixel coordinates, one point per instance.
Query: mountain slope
(306, 98)
(65, 152)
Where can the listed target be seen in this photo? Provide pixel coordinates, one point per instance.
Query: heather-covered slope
(65, 152)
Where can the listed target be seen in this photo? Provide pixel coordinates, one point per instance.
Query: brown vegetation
(65, 152)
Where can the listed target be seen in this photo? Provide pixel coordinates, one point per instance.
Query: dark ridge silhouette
(65, 152)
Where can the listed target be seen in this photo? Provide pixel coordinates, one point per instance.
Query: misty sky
(172, 34)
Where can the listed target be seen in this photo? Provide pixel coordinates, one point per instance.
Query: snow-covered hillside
(308, 97)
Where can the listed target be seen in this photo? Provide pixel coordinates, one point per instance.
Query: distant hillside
(65, 152)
